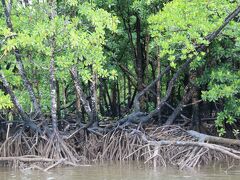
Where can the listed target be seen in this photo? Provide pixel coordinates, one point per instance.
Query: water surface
(116, 171)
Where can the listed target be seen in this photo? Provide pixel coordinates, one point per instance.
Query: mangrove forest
(83, 81)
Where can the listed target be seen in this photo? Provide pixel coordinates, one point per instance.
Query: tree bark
(101, 97)
(139, 60)
(107, 95)
(158, 90)
(94, 99)
(195, 106)
(53, 91)
(78, 107)
(114, 99)
(129, 92)
(80, 93)
(53, 94)
(58, 100)
(119, 100)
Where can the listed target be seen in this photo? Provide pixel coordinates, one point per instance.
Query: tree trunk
(58, 100)
(80, 93)
(153, 74)
(114, 99)
(119, 100)
(79, 112)
(129, 92)
(195, 105)
(101, 98)
(53, 94)
(158, 90)
(78, 107)
(53, 90)
(124, 90)
(139, 60)
(108, 95)
(94, 103)
(64, 97)
(147, 39)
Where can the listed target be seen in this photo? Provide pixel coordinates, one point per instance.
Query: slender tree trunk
(80, 93)
(146, 74)
(21, 69)
(139, 56)
(58, 100)
(196, 121)
(94, 100)
(153, 73)
(64, 97)
(129, 96)
(124, 89)
(132, 98)
(139, 60)
(53, 94)
(101, 97)
(195, 99)
(79, 112)
(119, 100)
(53, 91)
(147, 39)
(107, 104)
(78, 106)
(108, 95)
(159, 88)
(114, 99)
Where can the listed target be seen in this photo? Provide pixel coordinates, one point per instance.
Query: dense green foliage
(120, 46)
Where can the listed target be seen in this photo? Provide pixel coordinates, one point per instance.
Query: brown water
(115, 171)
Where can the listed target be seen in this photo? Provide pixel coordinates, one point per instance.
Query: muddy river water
(117, 171)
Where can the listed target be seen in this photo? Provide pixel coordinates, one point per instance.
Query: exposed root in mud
(156, 146)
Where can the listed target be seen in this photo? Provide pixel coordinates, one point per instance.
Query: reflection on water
(113, 171)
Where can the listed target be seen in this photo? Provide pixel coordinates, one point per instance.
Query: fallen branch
(199, 144)
(27, 159)
(213, 139)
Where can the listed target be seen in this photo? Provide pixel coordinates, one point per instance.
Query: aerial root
(37, 152)
(155, 146)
